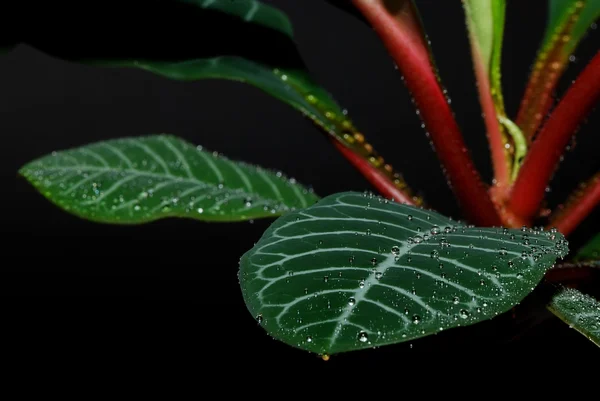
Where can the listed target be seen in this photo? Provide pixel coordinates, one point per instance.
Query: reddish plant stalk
(543, 156)
(579, 205)
(398, 26)
(549, 66)
(494, 133)
(382, 183)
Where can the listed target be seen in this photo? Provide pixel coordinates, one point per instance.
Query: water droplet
(417, 239)
(435, 230)
(482, 282)
(416, 319)
(200, 210)
(502, 251)
(362, 337)
(351, 301)
(395, 250)
(259, 318)
(325, 279)
(455, 300)
(463, 314)
(351, 259)
(309, 339)
(378, 275)
(519, 275)
(374, 261)
(361, 283)
(409, 217)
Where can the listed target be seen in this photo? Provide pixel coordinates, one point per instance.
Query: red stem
(539, 165)
(578, 207)
(374, 176)
(495, 137)
(399, 29)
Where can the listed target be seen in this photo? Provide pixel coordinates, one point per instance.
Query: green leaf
(239, 40)
(485, 21)
(355, 271)
(580, 311)
(245, 41)
(138, 180)
(590, 251)
(567, 23)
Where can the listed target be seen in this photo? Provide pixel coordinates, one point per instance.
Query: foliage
(348, 271)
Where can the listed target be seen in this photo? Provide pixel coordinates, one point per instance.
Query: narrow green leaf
(355, 271)
(568, 22)
(485, 21)
(580, 311)
(138, 180)
(245, 41)
(590, 252)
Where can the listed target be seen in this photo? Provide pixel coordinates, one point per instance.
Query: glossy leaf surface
(245, 41)
(580, 311)
(137, 180)
(355, 271)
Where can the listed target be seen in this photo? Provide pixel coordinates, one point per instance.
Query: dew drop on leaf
(362, 337)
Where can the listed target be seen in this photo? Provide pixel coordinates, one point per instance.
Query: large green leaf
(356, 271)
(137, 180)
(580, 311)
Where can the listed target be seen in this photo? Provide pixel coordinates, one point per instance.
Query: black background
(166, 294)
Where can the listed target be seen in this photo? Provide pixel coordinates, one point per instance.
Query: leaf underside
(580, 311)
(355, 271)
(138, 180)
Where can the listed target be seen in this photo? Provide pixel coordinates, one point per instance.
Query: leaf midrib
(141, 173)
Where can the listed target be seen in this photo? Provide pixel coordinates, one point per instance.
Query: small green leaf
(355, 271)
(138, 180)
(590, 252)
(580, 311)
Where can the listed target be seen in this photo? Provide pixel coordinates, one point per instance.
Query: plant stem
(539, 165)
(579, 205)
(398, 26)
(380, 181)
(494, 133)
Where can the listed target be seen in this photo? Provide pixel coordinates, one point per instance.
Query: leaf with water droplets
(385, 287)
(567, 23)
(138, 180)
(580, 311)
